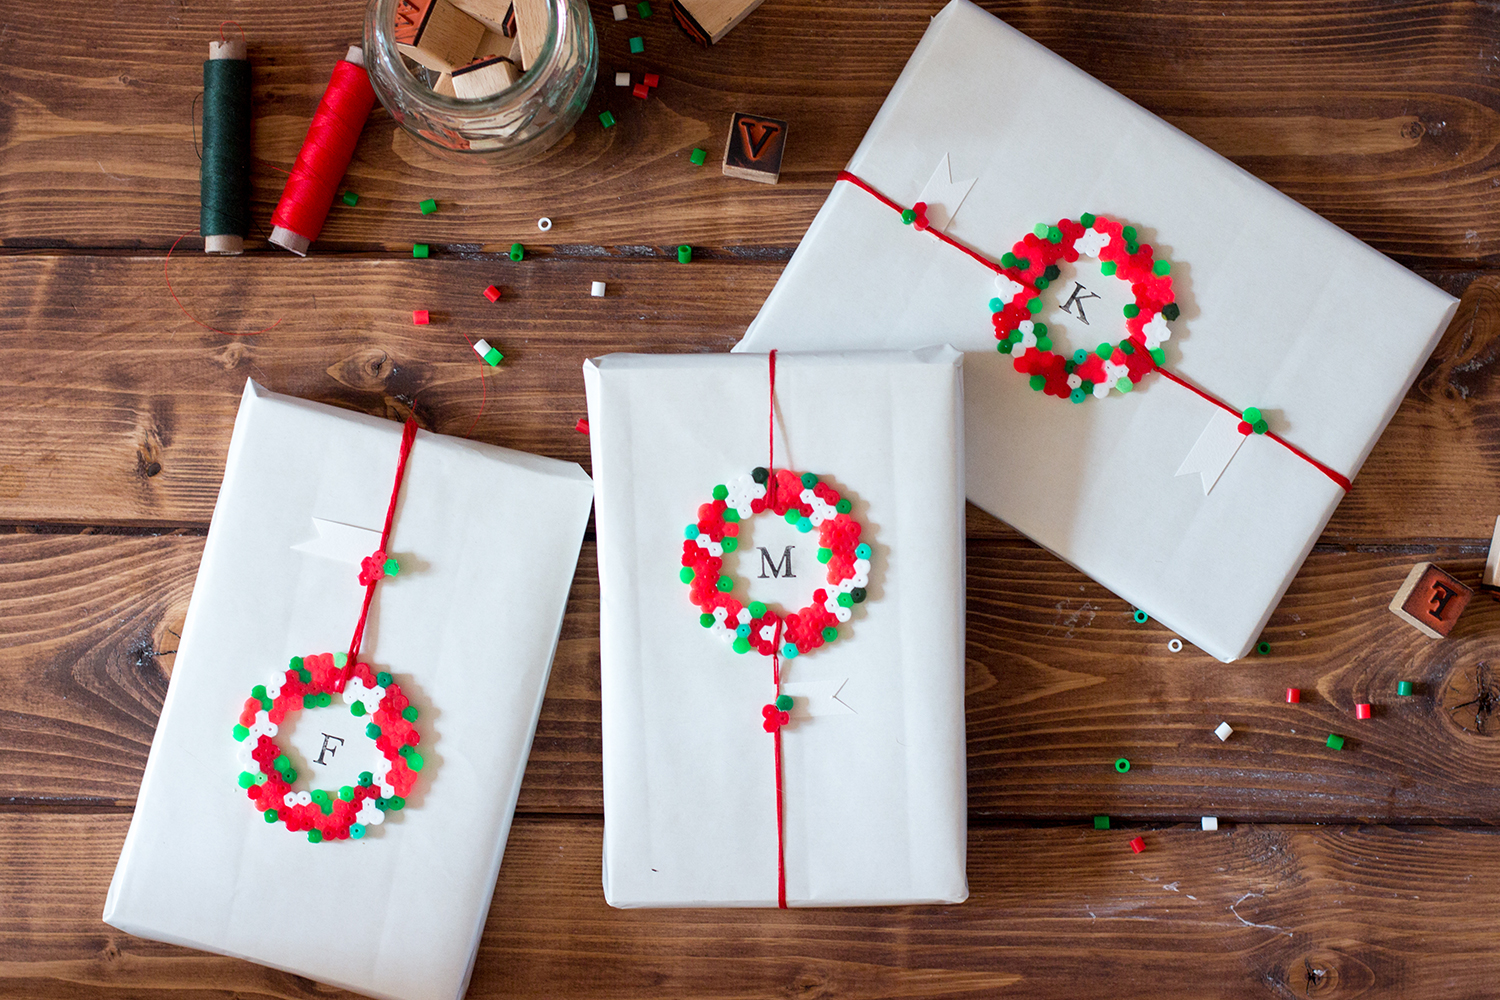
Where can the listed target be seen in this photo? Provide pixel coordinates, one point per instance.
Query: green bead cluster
(1049, 233)
(1011, 339)
(1252, 416)
(1009, 259)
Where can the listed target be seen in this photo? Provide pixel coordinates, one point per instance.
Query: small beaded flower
(1032, 264)
(268, 776)
(805, 503)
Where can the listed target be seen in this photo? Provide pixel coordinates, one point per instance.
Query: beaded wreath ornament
(313, 682)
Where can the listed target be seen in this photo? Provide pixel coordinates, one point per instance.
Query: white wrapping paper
(487, 540)
(874, 758)
(1281, 311)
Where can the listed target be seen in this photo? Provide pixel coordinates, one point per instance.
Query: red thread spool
(325, 155)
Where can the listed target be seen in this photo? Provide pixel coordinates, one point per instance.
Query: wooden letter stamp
(1431, 600)
(754, 149)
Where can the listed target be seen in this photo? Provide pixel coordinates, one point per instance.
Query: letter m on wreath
(777, 568)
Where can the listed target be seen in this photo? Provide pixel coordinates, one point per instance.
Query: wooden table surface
(1370, 872)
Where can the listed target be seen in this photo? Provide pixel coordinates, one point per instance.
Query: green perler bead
(1041, 283)
(414, 761)
(698, 157)
(324, 699)
(1105, 351)
(1132, 310)
(1053, 234)
(391, 566)
(793, 515)
(428, 206)
(289, 776)
(844, 506)
(706, 620)
(857, 595)
(637, 45)
(730, 543)
(830, 634)
(1052, 273)
(1263, 648)
(996, 305)
(684, 254)
(1127, 346)
(1044, 343)
(319, 796)
(784, 702)
(1007, 260)
(1260, 426)
(908, 216)
(246, 779)
(517, 252)
(1040, 329)
(356, 708)
(282, 762)
(1131, 247)
(1040, 229)
(685, 574)
(1159, 355)
(383, 679)
(347, 793)
(1122, 765)
(759, 474)
(266, 704)
(1087, 386)
(351, 199)
(1107, 267)
(1124, 384)
(1162, 267)
(314, 837)
(1003, 347)
(1038, 382)
(757, 609)
(382, 803)
(240, 732)
(721, 492)
(1034, 306)
(1170, 311)
(1101, 822)
(1335, 741)
(365, 779)
(1086, 219)
(397, 803)
(260, 778)
(326, 807)
(741, 644)
(410, 713)
(845, 601)
(731, 515)
(271, 815)
(824, 555)
(724, 585)
(644, 8)
(309, 701)
(1404, 688)
(305, 675)
(1251, 414)
(606, 119)
(1129, 233)
(341, 660)
(258, 692)
(296, 664)
(372, 731)
(809, 480)
(420, 251)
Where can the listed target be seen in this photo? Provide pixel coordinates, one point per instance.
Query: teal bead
(410, 713)
(996, 305)
(861, 551)
(372, 731)
(790, 651)
(1077, 396)
(830, 634)
(356, 831)
(383, 679)
(690, 532)
(809, 480)
(804, 525)
(743, 631)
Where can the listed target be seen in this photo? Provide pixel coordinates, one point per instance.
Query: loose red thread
(771, 438)
(326, 151)
(408, 435)
(780, 837)
(1343, 481)
(212, 329)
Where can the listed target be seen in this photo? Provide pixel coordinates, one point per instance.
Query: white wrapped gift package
(1155, 492)
(485, 541)
(871, 770)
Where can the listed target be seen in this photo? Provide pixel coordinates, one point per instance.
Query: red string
(780, 838)
(408, 435)
(212, 329)
(326, 151)
(1339, 478)
(771, 438)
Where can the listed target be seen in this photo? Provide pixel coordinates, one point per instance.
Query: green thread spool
(225, 176)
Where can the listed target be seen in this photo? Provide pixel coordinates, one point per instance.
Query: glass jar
(516, 124)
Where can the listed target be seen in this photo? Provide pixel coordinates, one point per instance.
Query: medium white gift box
(1155, 493)
(487, 540)
(872, 773)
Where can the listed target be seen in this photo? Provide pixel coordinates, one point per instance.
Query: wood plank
(1061, 681)
(1377, 116)
(1296, 910)
(120, 407)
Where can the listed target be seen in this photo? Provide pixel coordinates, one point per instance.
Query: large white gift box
(1155, 493)
(872, 753)
(486, 540)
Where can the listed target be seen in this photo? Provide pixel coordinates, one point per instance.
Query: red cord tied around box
(808, 503)
(1031, 265)
(269, 776)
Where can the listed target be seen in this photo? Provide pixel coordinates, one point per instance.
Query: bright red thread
(1342, 480)
(771, 438)
(408, 435)
(780, 838)
(236, 24)
(195, 319)
(326, 151)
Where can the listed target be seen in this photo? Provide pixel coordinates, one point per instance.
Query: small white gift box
(871, 752)
(1155, 492)
(486, 541)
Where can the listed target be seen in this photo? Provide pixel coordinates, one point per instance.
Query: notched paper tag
(347, 543)
(811, 699)
(944, 196)
(1216, 446)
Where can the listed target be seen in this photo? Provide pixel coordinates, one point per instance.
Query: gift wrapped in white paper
(487, 540)
(1280, 310)
(873, 766)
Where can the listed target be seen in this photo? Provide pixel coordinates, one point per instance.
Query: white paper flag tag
(811, 699)
(1216, 446)
(944, 196)
(347, 543)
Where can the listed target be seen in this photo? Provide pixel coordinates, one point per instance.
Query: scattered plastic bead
(1101, 822)
(637, 45)
(606, 119)
(1122, 765)
(1362, 710)
(1404, 688)
(428, 206)
(1210, 823)
(1335, 741)
(596, 289)
(641, 90)
(652, 80)
(420, 317)
(582, 426)
(684, 254)
(420, 250)
(1141, 617)
(644, 8)
(314, 837)
(351, 199)
(517, 252)
(1263, 648)
(620, 12)
(1138, 844)
(622, 79)
(489, 354)
(492, 293)
(1223, 731)
(1293, 696)
(1175, 645)
(698, 157)
(544, 224)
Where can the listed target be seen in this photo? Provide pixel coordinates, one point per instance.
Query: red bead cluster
(1153, 294)
(802, 631)
(396, 732)
(372, 568)
(775, 718)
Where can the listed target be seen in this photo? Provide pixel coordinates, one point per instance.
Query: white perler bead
(353, 690)
(304, 798)
(767, 633)
(1075, 380)
(744, 617)
(273, 691)
(842, 613)
(1156, 331)
(289, 799)
(860, 580)
(742, 490)
(1091, 242)
(370, 814)
(244, 756)
(1009, 289)
(1028, 338)
(721, 614)
(619, 12)
(861, 566)
(1112, 374)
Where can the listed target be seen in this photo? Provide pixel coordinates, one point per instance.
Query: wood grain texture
(1379, 116)
(1061, 681)
(120, 407)
(1327, 912)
